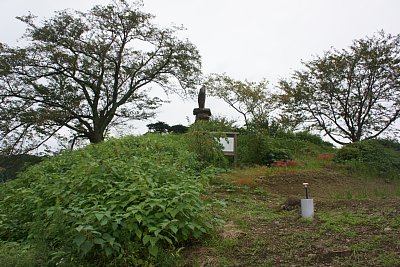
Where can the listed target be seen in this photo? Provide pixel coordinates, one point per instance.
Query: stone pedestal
(203, 114)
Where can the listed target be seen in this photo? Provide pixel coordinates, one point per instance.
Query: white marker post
(307, 205)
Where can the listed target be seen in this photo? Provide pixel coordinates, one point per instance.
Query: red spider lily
(285, 163)
(325, 157)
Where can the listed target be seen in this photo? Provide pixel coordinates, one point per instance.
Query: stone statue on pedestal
(201, 112)
(202, 97)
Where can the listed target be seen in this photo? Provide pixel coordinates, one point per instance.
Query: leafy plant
(202, 139)
(258, 148)
(124, 199)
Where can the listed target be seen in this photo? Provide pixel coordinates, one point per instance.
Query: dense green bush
(377, 157)
(11, 165)
(258, 148)
(122, 201)
(202, 139)
(254, 147)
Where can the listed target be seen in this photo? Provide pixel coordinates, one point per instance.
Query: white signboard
(227, 143)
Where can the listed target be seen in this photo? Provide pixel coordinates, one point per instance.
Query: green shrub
(202, 139)
(123, 200)
(377, 157)
(389, 143)
(251, 148)
(258, 148)
(347, 153)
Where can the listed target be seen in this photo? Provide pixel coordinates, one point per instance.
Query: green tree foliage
(158, 127)
(178, 129)
(252, 100)
(118, 203)
(86, 72)
(352, 94)
(162, 127)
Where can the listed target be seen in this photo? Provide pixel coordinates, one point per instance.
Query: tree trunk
(96, 137)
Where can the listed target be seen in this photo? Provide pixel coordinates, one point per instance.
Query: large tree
(252, 100)
(350, 94)
(87, 72)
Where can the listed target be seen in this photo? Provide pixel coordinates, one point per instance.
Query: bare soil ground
(356, 223)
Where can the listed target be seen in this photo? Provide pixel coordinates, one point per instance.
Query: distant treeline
(11, 165)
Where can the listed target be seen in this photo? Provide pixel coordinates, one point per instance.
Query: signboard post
(229, 143)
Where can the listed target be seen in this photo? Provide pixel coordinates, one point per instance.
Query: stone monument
(201, 112)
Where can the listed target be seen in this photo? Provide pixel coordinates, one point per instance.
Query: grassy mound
(377, 157)
(123, 202)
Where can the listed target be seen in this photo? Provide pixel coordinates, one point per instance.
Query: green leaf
(168, 240)
(49, 213)
(79, 228)
(99, 216)
(109, 238)
(157, 232)
(98, 241)
(138, 233)
(79, 240)
(152, 229)
(108, 251)
(153, 240)
(173, 212)
(86, 246)
(173, 228)
(138, 217)
(153, 250)
(146, 239)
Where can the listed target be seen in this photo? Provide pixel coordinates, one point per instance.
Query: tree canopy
(162, 127)
(158, 127)
(250, 99)
(351, 94)
(86, 72)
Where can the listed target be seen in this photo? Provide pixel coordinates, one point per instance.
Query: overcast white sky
(250, 39)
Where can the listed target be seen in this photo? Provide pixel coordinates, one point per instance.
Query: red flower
(325, 157)
(285, 163)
